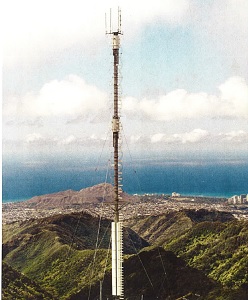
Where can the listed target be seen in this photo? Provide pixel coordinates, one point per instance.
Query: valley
(173, 248)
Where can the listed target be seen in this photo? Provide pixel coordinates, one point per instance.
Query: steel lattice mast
(116, 123)
(116, 226)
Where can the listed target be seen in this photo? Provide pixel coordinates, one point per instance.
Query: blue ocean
(21, 182)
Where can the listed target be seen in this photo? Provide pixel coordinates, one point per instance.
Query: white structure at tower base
(117, 259)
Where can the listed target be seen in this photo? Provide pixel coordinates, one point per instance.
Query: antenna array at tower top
(113, 25)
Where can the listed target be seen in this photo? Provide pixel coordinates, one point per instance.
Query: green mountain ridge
(219, 249)
(78, 230)
(52, 249)
(17, 286)
(160, 229)
(214, 242)
(156, 274)
(59, 253)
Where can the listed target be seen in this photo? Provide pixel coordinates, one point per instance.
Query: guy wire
(98, 232)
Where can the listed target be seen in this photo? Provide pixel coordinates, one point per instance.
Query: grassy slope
(213, 242)
(219, 249)
(156, 274)
(57, 267)
(158, 230)
(50, 252)
(58, 252)
(55, 252)
(17, 286)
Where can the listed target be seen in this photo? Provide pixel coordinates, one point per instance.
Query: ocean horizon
(22, 183)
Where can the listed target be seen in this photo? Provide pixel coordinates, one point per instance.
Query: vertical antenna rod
(116, 229)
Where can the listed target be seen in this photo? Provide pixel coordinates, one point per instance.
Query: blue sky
(184, 89)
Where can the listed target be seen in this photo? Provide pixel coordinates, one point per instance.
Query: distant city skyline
(184, 78)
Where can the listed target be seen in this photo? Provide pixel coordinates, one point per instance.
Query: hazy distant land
(96, 200)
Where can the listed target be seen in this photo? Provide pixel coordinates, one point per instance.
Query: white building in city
(174, 194)
(241, 199)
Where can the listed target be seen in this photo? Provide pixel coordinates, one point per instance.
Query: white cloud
(69, 97)
(36, 122)
(34, 30)
(177, 104)
(135, 138)
(158, 137)
(194, 139)
(34, 138)
(130, 104)
(235, 136)
(194, 136)
(232, 102)
(69, 140)
(201, 136)
(234, 97)
(56, 102)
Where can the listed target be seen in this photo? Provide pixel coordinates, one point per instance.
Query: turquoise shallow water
(21, 183)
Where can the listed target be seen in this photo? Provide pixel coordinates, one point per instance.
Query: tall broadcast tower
(116, 226)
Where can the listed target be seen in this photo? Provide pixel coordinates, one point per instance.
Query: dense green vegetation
(58, 268)
(213, 242)
(17, 286)
(58, 255)
(157, 274)
(59, 252)
(158, 230)
(219, 249)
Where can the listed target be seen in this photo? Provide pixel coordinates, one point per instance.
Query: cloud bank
(194, 136)
(71, 96)
(231, 102)
(74, 98)
(36, 33)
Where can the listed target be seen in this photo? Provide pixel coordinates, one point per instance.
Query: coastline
(196, 195)
(205, 181)
(146, 206)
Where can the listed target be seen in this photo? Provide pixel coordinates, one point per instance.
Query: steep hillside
(161, 229)
(219, 249)
(53, 249)
(59, 253)
(214, 242)
(17, 286)
(159, 274)
(78, 230)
